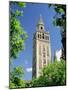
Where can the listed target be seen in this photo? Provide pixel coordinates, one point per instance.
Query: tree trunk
(64, 45)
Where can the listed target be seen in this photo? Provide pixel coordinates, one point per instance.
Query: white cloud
(58, 54)
(29, 69)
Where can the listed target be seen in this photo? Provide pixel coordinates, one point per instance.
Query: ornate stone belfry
(41, 49)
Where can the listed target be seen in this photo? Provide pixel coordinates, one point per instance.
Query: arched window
(44, 55)
(44, 51)
(40, 36)
(43, 35)
(44, 61)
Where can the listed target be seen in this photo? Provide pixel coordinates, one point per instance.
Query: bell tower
(41, 49)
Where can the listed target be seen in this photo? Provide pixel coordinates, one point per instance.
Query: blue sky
(29, 21)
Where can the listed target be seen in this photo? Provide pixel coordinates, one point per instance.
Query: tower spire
(40, 20)
(40, 25)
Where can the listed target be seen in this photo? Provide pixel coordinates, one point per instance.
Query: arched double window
(43, 35)
(39, 35)
(44, 61)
